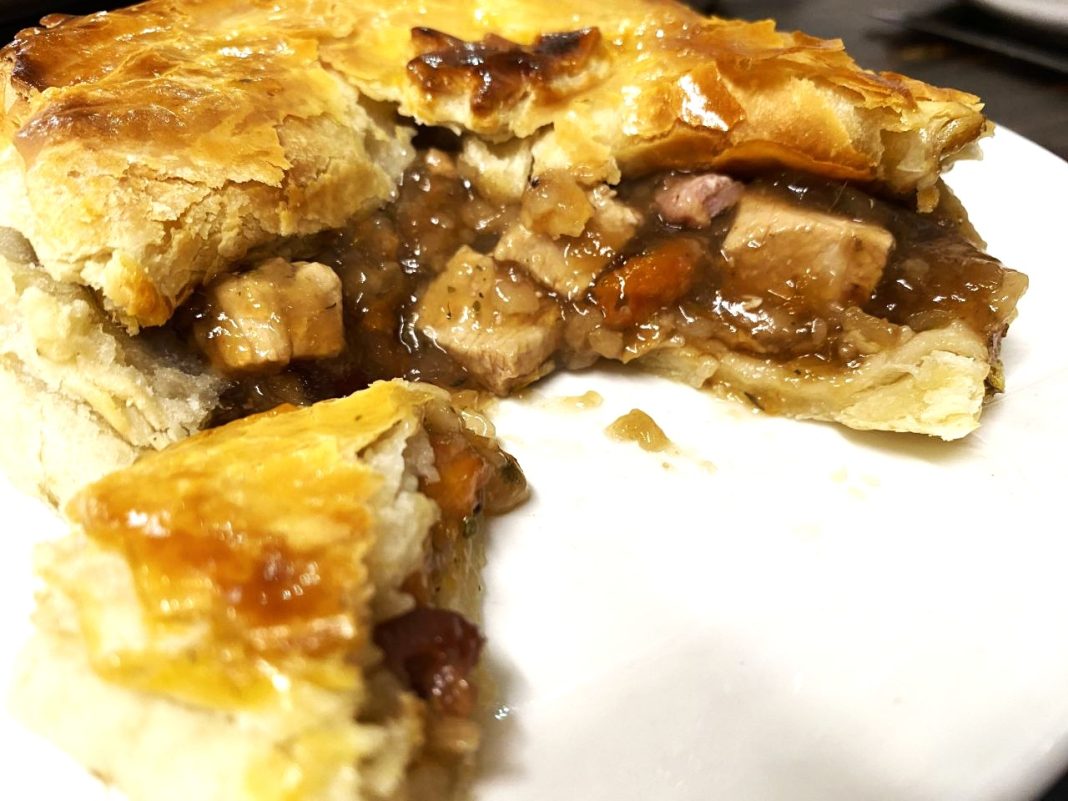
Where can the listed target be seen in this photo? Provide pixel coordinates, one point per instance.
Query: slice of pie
(284, 201)
(276, 610)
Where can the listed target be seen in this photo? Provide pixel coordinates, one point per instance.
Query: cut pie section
(186, 136)
(281, 608)
(801, 295)
(283, 202)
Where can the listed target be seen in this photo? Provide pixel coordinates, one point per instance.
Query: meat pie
(214, 208)
(280, 608)
(565, 152)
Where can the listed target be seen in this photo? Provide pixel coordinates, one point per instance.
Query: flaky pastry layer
(150, 148)
(207, 628)
(79, 396)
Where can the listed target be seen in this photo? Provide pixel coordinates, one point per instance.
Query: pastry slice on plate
(278, 609)
(283, 201)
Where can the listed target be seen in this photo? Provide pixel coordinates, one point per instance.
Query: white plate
(782, 611)
(1053, 13)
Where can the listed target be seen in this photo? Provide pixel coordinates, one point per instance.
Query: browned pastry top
(200, 91)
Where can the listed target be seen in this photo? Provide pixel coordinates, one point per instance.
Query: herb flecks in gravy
(454, 285)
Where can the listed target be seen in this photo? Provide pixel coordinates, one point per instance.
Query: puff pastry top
(151, 148)
(652, 84)
(255, 536)
(205, 87)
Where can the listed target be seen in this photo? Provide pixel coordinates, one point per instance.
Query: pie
(211, 208)
(221, 220)
(279, 609)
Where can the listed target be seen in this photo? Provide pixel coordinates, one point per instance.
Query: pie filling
(477, 280)
(433, 650)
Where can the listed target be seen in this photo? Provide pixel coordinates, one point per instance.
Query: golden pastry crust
(78, 394)
(210, 628)
(155, 146)
(263, 528)
(933, 382)
(639, 85)
(150, 148)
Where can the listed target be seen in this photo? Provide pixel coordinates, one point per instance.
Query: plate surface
(775, 610)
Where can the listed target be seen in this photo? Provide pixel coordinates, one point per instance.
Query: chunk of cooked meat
(693, 201)
(777, 248)
(494, 321)
(263, 319)
(433, 651)
(649, 281)
(498, 171)
(569, 265)
(556, 205)
(440, 164)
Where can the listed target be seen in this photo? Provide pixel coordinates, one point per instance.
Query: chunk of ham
(494, 321)
(261, 320)
(433, 651)
(776, 247)
(693, 201)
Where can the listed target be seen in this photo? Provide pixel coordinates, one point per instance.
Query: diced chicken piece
(259, 321)
(498, 171)
(440, 164)
(695, 200)
(615, 219)
(495, 322)
(569, 265)
(556, 205)
(311, 302)
(779, 248)
(544, 259)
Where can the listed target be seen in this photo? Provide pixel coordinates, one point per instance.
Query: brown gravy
(673, 282)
